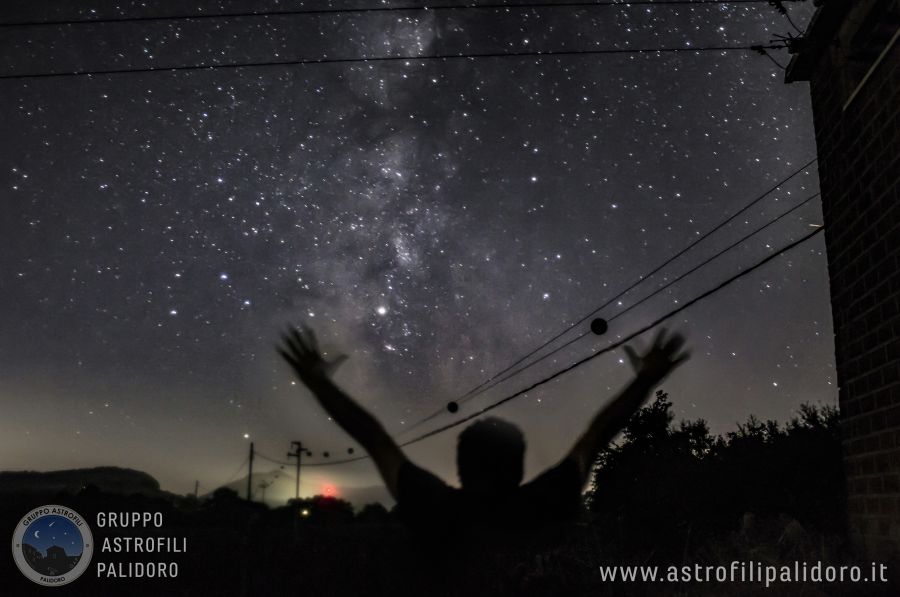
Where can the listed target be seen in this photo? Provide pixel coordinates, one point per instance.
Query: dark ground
(236, 548)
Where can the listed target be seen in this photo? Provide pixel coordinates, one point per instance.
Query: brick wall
(859, 167)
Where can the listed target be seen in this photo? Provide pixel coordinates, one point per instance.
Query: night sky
(56, 530)
(434, 220)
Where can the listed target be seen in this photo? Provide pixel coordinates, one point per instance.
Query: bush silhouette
(665, 485)
(374, 513)
(323, 509)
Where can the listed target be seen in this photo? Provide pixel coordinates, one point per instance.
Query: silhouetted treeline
(668, 485)
(666, 493)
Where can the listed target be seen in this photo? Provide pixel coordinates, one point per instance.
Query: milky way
(434, 220)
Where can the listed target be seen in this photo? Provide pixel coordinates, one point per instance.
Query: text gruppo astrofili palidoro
(151, 553)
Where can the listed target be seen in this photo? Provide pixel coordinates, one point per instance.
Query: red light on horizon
(329, 490)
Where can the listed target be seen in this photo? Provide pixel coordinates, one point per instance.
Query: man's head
(490, 456)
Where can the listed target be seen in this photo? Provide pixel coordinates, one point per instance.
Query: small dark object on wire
(599, 326)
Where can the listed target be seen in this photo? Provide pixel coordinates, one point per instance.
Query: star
(432, 220)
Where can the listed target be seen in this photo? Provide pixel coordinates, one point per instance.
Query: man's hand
(301, 349)
(651, 368)
(662, 358)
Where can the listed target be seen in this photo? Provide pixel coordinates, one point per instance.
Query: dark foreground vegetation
(666, 494)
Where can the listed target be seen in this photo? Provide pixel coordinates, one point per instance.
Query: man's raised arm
(300, 349)
(650, 369)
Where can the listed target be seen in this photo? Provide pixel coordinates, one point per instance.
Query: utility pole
(298, 452)
(196, 489)
(250, 475)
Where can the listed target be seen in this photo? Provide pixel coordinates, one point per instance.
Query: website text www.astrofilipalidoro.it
(747, 572)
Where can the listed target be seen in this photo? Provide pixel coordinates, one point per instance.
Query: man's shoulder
(564, 476)
(424, 501)
(554, 495)
(415, 479)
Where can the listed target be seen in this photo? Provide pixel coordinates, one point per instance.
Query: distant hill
(109, 479)
(123, 481)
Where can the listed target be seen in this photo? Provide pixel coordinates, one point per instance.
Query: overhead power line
(593, 356)
(513, 369)
(647, 297)
(618, 343)
(233, 476)
(404, 58)
(376, 9)
(642, 278)
(273, 460)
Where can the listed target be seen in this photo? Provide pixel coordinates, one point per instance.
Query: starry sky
(434, 220)
(51, 530)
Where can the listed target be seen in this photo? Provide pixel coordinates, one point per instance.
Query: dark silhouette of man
(490, 452)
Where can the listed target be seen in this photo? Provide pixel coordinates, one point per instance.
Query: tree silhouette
(373, 513)
(664, 485)
(323, 509)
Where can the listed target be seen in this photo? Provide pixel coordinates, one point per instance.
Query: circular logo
(52, 545)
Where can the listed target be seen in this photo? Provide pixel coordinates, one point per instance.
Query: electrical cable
(651, 295)
(378, 9)
(593, 356)
(634, 284)
(373, 59)
(616, 344)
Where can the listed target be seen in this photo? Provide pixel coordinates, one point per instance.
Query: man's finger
(309, 339)
(300, 343)
(681, 358)
(286, 356)
(290, 340)
(660, 338)
(287, 345)
(674, 344)
(633, 357)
